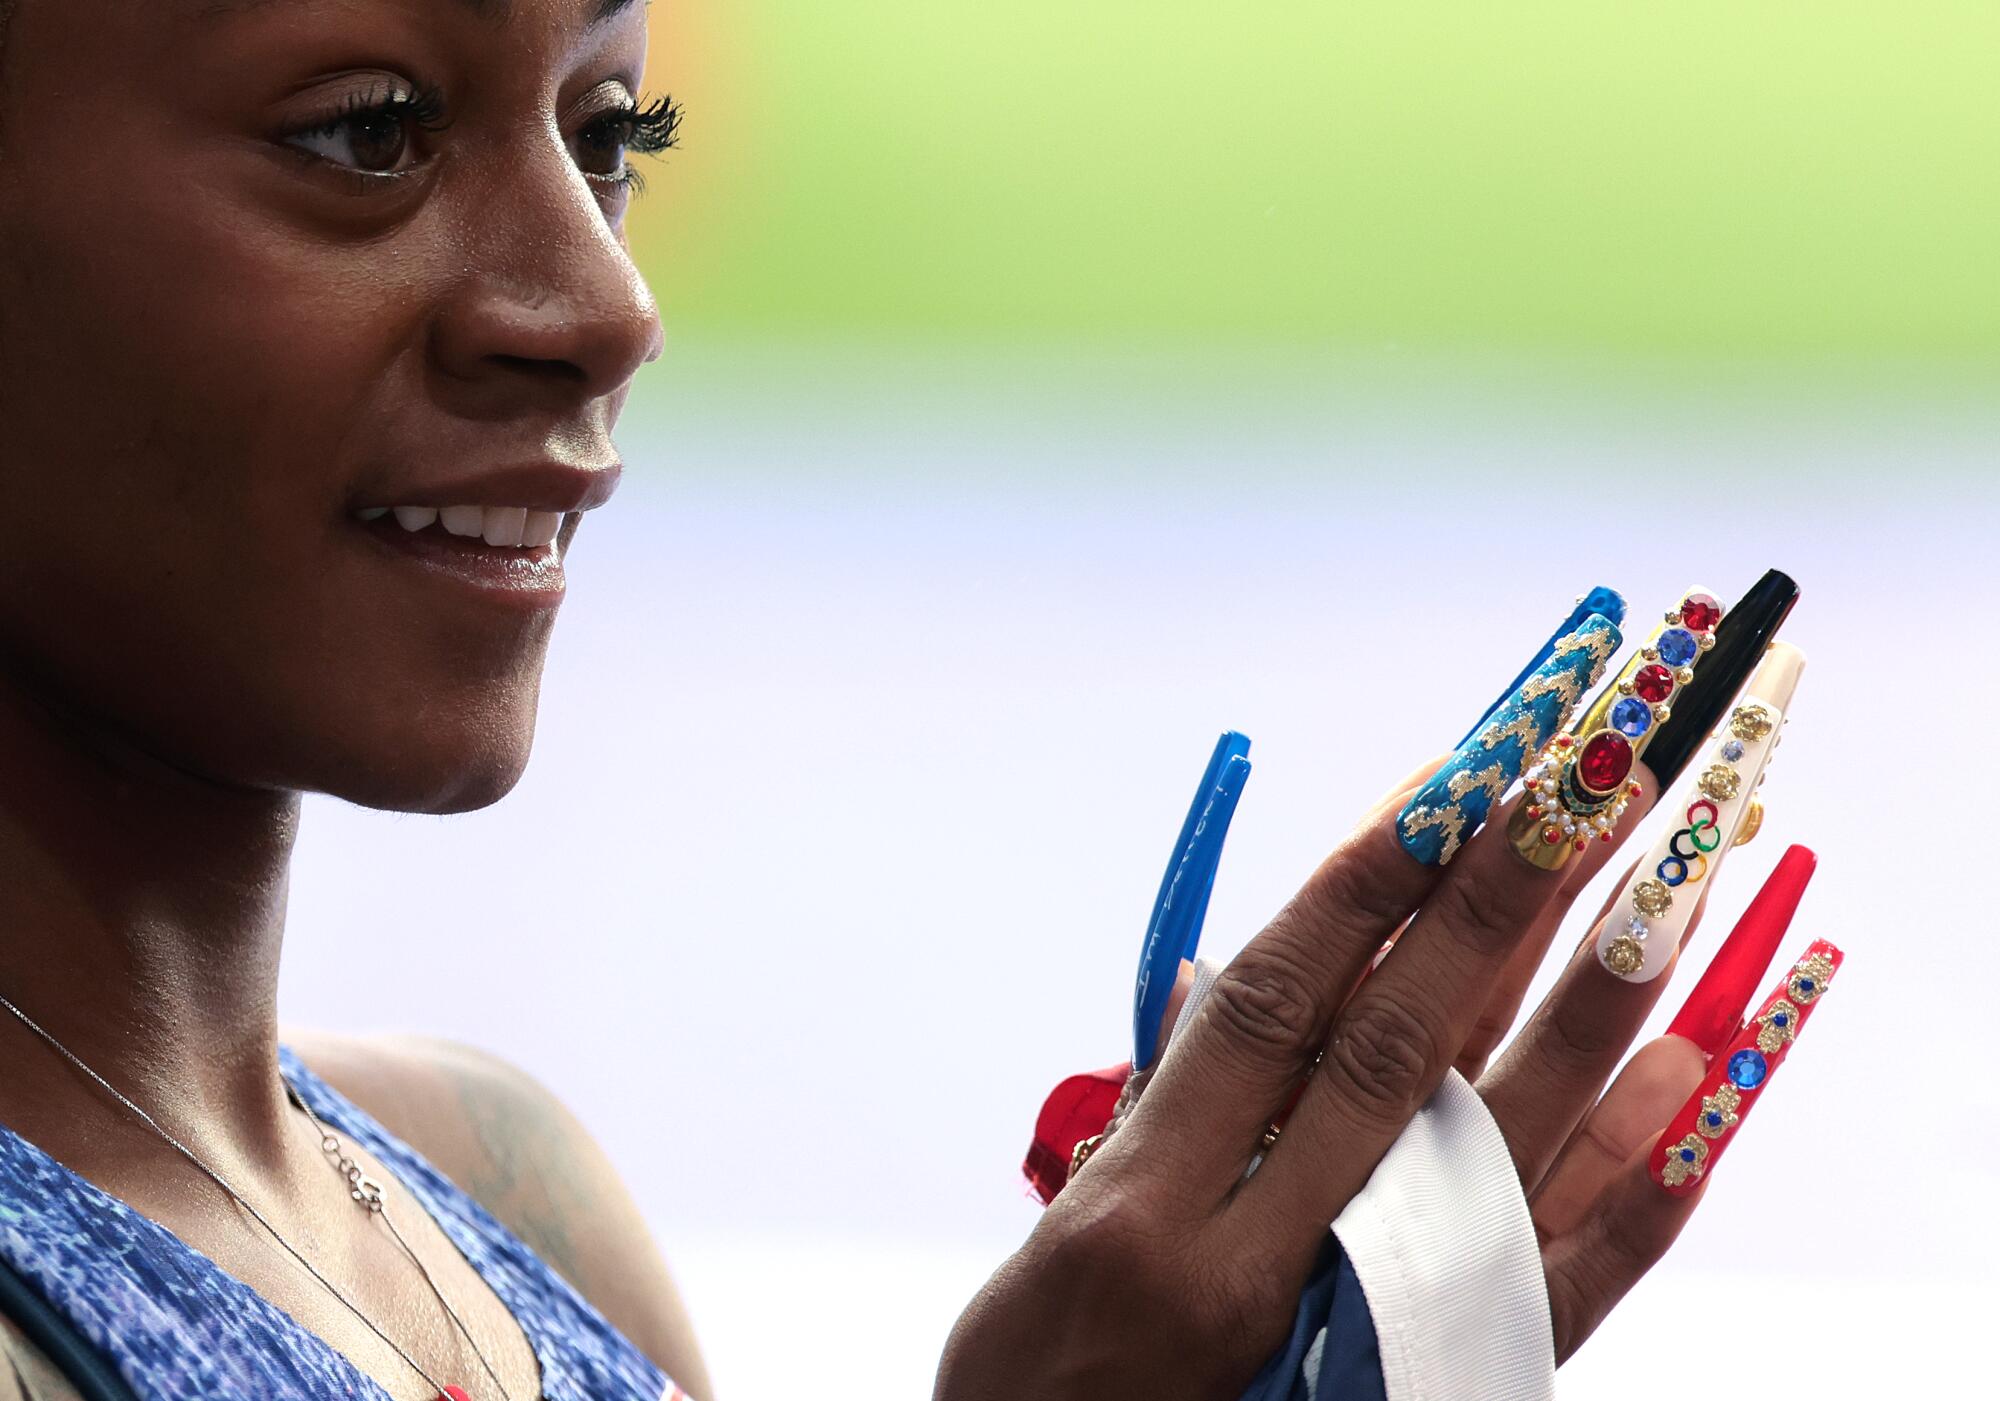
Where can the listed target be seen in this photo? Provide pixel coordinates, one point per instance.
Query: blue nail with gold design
(1451, 807)
(1603, 600)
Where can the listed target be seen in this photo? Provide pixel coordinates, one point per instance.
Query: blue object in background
(1601, 600)
(1174, 931)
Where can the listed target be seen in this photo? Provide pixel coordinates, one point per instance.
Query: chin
(460, 768)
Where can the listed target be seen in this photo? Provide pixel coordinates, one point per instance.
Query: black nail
(1740, 639)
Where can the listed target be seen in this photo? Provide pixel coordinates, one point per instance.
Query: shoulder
(517, 1149)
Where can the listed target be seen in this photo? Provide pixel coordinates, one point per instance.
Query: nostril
(565, 371)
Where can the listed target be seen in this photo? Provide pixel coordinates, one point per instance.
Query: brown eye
(377, 141)
(375, 137)
(600, 147)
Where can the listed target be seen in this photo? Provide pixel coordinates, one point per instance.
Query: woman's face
(266, 268)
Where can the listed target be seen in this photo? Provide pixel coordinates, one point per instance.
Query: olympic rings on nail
(1674, 871)
(1714, 813)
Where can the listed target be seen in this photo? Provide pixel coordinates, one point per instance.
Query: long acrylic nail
(1580, 784)
(1453, 805)
(1708, 816)
(1602, 600)
(1713, 1114)
(1713, 1010)
(1740, 640)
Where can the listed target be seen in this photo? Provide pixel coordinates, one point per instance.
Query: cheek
(179, 399)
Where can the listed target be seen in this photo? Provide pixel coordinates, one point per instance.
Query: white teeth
(463, 520)
(503, 524)
(505, 527)
(540, 528)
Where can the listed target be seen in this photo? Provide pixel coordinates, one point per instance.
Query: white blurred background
(879, 696)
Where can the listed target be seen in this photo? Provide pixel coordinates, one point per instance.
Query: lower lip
(510, 575)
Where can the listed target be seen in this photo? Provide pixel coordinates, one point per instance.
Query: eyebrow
(496, 11)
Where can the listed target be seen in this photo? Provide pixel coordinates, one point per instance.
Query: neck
(141, 916)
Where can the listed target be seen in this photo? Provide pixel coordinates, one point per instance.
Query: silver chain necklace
(361, 1188)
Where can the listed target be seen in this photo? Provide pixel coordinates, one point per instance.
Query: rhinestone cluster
(1746, 1071)
(1580, 789)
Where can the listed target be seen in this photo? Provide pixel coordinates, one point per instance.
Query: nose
(545, 308)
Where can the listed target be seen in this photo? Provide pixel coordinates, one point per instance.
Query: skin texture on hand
(1160, 1271)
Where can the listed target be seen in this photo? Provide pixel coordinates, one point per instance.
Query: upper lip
(539, 486)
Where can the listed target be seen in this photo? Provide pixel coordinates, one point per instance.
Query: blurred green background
(1680, 190)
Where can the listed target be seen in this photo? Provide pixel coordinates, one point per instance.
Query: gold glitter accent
(1652, 898)
(1772, 1038)
(1753, 823)
(1685, 676)
(1720, 782)
(1522, 727)
(1704, 640)
(1819, 969)
(1449, 820)
(1677, 1170)
(1650, 652)
(1751, 722)
(1662, 712)
(1723, 1103)
(1625, 956)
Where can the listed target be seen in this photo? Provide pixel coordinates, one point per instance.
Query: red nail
(1714, 1009)
(1736, 1079)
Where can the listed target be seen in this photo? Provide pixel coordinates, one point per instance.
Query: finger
(1630, 1223)
(1256, 1033)
(1399, 1033)
(1552, 1073)
(1653, 1083)
(1555, 1069)
(1623, 1235)
(1510, 989)
(1711, 1118)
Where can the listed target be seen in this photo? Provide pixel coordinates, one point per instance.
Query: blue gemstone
(1631, 717)
(1687, 1155)
(1805, 985)
(1747, 1069)
(1781, 1020)
(1733, 750)
(1714, 1119)
(1677, 647)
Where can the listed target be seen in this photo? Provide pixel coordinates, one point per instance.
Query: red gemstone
(1551, 835)
(1652, 683)
(1604, 836)
(1604, 762)
(1534, 811)
(1564, 741)
(1634, 789)
(1700, 612)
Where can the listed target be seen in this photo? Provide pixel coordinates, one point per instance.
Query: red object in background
(1077, 1108)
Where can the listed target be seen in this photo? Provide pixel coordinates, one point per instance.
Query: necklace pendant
(452, 1393)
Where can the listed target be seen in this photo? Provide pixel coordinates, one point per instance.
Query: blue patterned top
(178, 1327)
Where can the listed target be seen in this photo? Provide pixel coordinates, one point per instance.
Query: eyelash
(649, 128)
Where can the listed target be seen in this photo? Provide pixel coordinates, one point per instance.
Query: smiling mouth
(505, 554)
(503, 527)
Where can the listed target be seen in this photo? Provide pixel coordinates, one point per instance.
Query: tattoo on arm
(526, 1188)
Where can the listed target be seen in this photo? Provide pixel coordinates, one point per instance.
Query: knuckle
(1358, 887)
(1386, 1054)
(1480, 912)
(1571, 1044)
(1266, 1003)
